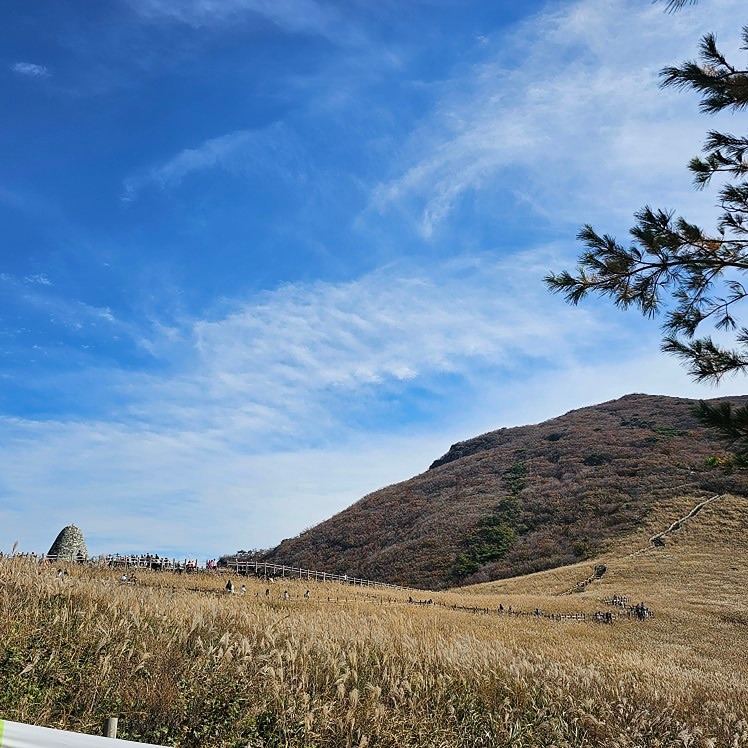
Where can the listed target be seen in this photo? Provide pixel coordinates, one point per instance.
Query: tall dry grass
(184, 664)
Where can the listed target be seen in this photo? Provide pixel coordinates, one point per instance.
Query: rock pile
(69, 545)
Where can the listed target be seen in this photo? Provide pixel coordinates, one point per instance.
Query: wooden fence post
(110, 727)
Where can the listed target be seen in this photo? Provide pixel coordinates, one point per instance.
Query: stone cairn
(69, 545)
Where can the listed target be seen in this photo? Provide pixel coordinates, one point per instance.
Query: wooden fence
(244, 568)
(263, 569)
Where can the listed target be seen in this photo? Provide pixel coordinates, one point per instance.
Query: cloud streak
(580, 122)
(290, 16)
(272, 151)
(30, 69)
(284, 359)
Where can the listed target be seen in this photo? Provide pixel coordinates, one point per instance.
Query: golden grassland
(183, 663)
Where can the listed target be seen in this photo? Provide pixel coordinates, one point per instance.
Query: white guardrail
(18, 735)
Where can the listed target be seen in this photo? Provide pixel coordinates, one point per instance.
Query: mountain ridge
(522, 499)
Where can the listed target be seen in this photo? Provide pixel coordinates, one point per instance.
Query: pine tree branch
(730, 423)
(704, 359)
(675, 5)
(676, 257)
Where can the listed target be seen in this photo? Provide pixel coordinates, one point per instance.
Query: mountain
(524, 499)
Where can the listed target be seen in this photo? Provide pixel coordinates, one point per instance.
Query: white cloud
(281, 364)
(291, 16)
(273, 149)
(39, 279)
(30, 69)
(568, 109)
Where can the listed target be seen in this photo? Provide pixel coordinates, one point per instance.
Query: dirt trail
(656, 541)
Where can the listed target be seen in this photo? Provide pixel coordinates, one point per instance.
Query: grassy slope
(696, 584)
(183, 664)
(565, 488)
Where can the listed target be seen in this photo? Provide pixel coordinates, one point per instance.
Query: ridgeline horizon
(523, 499)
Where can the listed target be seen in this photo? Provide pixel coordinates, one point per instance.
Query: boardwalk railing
(243, 567)
(601, 616)
(139, 561)
(264, 569)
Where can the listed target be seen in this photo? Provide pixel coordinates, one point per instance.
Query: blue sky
(262, 257)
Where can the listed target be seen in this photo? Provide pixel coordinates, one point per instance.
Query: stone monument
(69, 545)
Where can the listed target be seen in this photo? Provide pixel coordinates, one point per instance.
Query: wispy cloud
(281, 366)
(38, 294)
(39, 279)
(578, 123)
(272, 150)
(382, 326)
(291, 16)
(30, 69)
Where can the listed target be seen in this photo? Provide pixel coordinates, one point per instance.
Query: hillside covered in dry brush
(519, 500)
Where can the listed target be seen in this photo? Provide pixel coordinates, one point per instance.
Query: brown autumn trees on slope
(523, 499)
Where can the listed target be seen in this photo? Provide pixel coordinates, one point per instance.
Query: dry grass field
(183, 663)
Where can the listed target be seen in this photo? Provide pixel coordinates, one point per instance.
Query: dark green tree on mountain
(672, 266)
